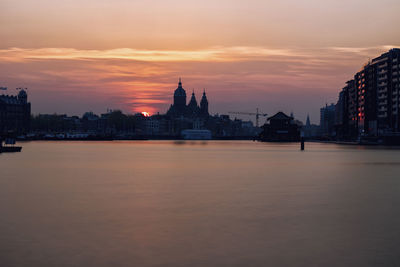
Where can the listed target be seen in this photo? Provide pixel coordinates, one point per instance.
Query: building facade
(371, 104)
(15, 113)
(327, 120)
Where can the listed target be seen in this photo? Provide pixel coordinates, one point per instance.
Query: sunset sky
(289, 55)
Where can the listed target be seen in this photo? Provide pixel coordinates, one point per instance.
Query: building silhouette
(369, 104)
(204, 105)
(191, 118)
(281, 128)
(179, 109)
(310, 130)
(15, 113)
(327, 120)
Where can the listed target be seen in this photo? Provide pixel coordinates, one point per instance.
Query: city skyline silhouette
(287, 55)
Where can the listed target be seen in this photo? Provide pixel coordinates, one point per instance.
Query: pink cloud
(236, 78)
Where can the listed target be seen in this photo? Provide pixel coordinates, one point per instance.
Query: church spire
(193, 101)
(308, 120)
(204, 104)
(193, 108)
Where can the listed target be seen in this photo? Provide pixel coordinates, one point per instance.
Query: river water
(214, 203)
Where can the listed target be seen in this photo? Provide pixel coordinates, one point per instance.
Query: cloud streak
(212, 54)
(67, 80)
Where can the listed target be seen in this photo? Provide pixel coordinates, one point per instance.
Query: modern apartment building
(372, 106)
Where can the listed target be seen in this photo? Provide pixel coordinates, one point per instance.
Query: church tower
(193, 101)
(308, 124)
(204, 105)
(193, 108)
(180, 99)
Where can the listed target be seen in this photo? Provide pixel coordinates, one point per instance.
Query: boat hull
(9, 149)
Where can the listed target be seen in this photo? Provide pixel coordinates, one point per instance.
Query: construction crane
(257, 114)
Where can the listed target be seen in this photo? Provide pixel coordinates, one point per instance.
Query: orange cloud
(75, 81)
(212, 54)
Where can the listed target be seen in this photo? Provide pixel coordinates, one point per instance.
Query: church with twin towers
(191, 110)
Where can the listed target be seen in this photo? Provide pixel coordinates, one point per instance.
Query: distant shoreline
(138, 139)
(346, 143)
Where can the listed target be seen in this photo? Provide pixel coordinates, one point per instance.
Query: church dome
(180, 91)
(22, 94)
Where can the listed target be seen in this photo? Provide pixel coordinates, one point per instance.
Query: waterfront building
(387, 68)
(281, 128)
(15, 113)
(341, 116)
(152, 126)
(352, 107)
(90, 122)
(370, 102)
(366, 85)
(327, 120)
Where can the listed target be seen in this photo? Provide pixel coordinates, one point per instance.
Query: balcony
(382, 115)
(382, 72)
(382, 107)
(382, 96)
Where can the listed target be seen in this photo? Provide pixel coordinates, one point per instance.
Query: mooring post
(302, 143)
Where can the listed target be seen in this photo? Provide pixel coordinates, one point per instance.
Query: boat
(190, 134)
(9, 146)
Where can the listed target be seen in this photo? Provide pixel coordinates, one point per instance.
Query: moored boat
(9, 146)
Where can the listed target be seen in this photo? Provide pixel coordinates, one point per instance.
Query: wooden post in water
(302, 143)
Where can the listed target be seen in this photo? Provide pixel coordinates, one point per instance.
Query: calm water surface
(213, 203)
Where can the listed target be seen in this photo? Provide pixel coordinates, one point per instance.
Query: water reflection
(213, 203)
(192, 143)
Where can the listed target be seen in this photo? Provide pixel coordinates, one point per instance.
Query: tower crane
(257, 114)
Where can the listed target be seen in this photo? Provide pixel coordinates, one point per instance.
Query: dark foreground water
(199, 204)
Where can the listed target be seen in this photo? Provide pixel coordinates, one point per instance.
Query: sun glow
(146, 114)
